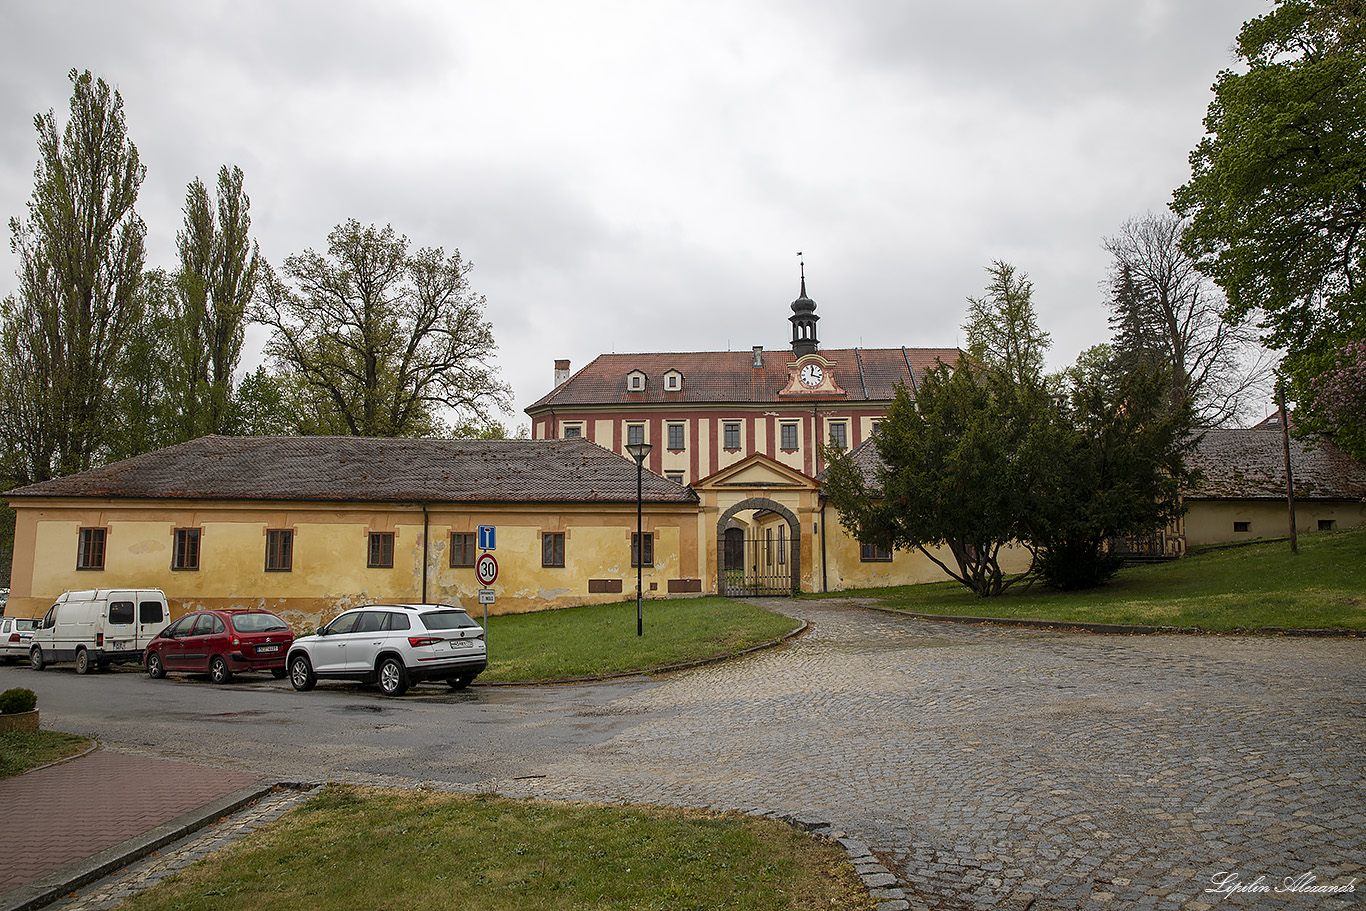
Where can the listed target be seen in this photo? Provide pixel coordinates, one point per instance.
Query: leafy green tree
(1277, 194)
(383, 339)
(956, 467)
(143, 411)
(80, 255)
(1113, 455)
(1168, 316)
(1002, 329)
(219, 267)
(264, 404)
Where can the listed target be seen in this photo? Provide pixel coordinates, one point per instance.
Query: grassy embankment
(600, 640)
(351, 848)
(1250, 587)
(24, 750)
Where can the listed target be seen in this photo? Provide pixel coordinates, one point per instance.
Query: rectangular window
(782, 545)
(462, 549)
(839, 436)
(90, 551)
(675, 476)
(1326, 524)
(675, 436)
(573, 431)
(789, 436)
(381, 550)
(649, 549)
(768, 547)
(875, 553)
(279, 550)
(552, 548)
(150, 612)
(1242, 526)
(635, 433)
(186, 555)
(731, 432)
(121, 612)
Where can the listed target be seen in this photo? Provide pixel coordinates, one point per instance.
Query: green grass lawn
(1238, 588)
(601, 640)
(355, 848)
(24, 750)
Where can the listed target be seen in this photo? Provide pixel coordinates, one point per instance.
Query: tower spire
(803, 318)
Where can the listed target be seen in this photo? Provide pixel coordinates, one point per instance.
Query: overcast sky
(639, 175)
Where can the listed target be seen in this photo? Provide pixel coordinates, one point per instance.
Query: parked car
(394, 645)
(220, 643)
(15, 633)
(98, 627)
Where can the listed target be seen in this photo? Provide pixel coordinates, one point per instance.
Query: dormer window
(635, 381)
(673, 381)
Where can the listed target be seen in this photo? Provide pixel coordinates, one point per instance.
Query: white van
(99, 627)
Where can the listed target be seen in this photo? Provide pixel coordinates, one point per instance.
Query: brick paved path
(55, 816)
(995, 767)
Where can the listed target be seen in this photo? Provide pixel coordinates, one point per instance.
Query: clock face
(811, 375)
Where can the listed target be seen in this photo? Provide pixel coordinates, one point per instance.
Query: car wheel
(458, 683)
(278, 673)
(219, 672)
(393, 677)
(35, 658)
(155, 669)
(301, 673)
(82, 661)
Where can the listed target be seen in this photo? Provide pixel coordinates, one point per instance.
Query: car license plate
(263, 649)
(462, 643)
(117, 646)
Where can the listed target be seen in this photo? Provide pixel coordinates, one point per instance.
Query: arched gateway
(761, 557)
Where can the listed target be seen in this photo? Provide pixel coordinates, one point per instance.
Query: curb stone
(1115, 629)
(877, 879)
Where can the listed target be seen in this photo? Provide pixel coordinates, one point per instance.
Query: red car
(220, 643)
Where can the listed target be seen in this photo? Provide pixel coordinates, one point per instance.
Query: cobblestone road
(999, 767)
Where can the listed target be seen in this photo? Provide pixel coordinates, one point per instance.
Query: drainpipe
(425, 527)
(825, 585)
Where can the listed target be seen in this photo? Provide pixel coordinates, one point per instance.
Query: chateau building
(704, 411)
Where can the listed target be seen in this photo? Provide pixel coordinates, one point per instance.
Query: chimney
(561, 373)
(758, 355)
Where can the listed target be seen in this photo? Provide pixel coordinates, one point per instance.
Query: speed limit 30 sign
(486, 568)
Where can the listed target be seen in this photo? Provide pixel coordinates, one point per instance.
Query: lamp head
(639, 451)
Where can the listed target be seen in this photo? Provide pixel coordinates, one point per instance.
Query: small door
(172, 644)
(120, 627)
(198, 645)
(152, 615)
(367, 640)
(328, 653)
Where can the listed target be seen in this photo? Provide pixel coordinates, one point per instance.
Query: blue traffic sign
(487, 537)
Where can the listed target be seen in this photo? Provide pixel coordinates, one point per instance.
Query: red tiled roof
(866, 374)
(1250, 465)
(369, 469)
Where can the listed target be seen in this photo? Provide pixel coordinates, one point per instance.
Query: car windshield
(447, 619)
(26, 624)
(258, 623)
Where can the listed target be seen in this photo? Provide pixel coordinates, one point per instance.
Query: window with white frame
(635, 433)
(789, 436)
(676, 432)
(571, 431)
(635, 381)
(839, 435)
(673, 381)
(731, 433)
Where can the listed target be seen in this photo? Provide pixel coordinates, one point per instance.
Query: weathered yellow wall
(846, 570)
(1211, 521)
(329, 571)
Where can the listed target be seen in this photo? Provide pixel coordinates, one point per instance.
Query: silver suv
(394, 645)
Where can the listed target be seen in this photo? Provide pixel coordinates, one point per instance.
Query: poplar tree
(81, 251)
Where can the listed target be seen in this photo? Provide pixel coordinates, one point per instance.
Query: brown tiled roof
(1250, 465)
(866, 374)
(1232, 465)
(368, 469)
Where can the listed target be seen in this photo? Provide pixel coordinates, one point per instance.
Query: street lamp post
(638, 452)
